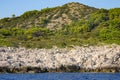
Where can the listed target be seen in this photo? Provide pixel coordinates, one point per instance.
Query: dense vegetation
(102, 26)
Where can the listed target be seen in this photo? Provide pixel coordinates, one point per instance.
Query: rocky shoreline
(72, 68)
(76, 59)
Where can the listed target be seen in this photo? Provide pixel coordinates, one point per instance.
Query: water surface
(61, 76)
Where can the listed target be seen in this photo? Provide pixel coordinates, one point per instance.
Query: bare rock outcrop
(88, 58)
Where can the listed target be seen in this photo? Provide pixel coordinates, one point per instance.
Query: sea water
(61, 76)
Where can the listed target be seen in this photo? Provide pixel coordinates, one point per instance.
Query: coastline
(76, 59)
(61, 69)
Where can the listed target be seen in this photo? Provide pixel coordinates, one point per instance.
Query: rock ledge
(77, 59)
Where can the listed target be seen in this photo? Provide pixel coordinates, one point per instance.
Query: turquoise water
(61, 76)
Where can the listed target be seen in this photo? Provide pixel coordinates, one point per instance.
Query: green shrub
(5, 32)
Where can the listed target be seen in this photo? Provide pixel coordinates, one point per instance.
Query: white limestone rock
(84, 57)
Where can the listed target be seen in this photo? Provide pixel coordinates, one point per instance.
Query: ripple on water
(61, 76)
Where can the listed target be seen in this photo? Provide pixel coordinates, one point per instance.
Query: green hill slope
(70, 24)
(52, 18)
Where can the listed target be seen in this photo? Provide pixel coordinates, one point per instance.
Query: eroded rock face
(92, 57)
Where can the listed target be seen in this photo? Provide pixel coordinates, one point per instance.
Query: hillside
(51, 18)
(67, 25)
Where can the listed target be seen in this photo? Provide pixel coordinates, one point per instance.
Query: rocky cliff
(92, 58)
